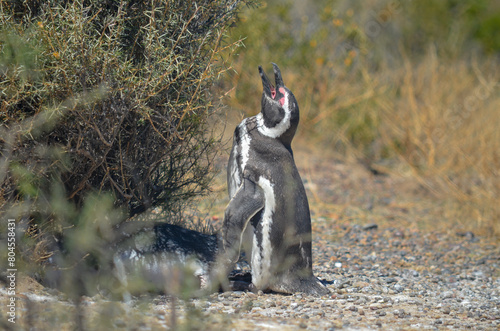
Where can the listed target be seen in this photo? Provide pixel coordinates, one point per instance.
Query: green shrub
(106, 98)
(453, 26)
(143, 137)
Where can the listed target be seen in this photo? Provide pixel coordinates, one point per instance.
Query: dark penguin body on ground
(156, 255)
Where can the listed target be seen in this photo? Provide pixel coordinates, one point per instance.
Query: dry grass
(432, 120)
(389, 84)
(442, 121)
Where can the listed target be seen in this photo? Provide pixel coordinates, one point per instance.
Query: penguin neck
(287, 137)
(283, 131)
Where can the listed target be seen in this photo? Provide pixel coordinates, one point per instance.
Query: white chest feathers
(262, 252)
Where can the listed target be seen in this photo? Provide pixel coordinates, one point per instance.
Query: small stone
(371, 226)
(399, 234)
(469, 235)
(398, 288)
(360, 284)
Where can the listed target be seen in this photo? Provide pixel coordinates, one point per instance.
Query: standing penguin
(268, 214)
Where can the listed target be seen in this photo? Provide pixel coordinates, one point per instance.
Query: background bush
(152, 64)
(108, 98)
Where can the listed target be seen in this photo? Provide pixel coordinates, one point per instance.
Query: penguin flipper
(246, 202)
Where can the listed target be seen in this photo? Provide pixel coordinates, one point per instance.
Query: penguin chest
(262, 246)
(281, 233)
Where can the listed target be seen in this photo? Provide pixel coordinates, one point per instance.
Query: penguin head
(280, 112)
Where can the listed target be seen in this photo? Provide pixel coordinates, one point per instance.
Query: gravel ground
(381, 245)
(379, 278)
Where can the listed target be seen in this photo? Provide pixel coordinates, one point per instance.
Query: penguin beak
(277, 76)
(266, 83)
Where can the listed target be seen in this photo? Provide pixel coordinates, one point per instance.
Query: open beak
(266, 84)
(269, 88)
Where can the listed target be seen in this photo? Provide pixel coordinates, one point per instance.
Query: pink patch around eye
(282, 100)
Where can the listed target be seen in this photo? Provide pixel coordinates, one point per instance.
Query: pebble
(447, 295)
(371, 226)
(398, 288)
(390, 280)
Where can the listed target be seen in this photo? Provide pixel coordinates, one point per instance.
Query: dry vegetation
(371, 91)
(104, 110)
(442, 122)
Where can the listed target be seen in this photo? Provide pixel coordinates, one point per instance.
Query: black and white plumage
(268, 215)
(159, 254)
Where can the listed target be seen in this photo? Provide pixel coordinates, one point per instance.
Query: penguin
(167, 258)
(157, 254)
(268, 214)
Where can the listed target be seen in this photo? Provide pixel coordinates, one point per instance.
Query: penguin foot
(241, 281)
(310, 286)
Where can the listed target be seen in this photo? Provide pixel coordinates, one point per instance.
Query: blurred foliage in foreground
(405, 86)
(104, 109)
